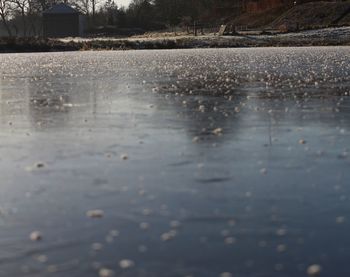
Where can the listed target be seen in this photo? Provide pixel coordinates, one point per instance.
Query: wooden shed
(61, 20)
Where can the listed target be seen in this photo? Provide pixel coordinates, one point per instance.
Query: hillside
(256, 20)
(305, 16)
(345, 20)
(315, 15)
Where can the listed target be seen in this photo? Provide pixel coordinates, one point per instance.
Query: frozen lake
(200, 163)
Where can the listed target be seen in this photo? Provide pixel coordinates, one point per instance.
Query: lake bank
(321, 37)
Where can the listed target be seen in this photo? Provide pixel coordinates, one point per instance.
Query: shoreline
(339, 36)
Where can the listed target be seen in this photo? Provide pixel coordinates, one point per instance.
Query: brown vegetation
(315, 15)
(327, 37)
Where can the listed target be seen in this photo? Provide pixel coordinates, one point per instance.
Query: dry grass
(315, 15)
(258, 19)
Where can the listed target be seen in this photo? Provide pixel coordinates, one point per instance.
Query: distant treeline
(23, 17)
(153, 13)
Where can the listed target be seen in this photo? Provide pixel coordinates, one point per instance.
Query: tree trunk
(7, 27)
(93, 2)
(33, 29)
(24, 25)
(16, 30)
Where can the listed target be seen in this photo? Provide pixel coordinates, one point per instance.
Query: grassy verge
(323, 38)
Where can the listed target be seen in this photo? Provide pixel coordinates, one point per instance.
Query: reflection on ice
(175, 163)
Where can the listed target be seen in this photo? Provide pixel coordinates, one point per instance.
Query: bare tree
(22, 7)
(88, 7)
(34, 11)
(83, 6)
(5, 9)
(94, 4)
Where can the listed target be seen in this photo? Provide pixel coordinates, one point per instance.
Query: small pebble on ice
(35, 236)
(95, 213)
(42, 258)
(230, 240)
(96, 246)
(146, 212)
(195, 139)
(114, 233)
(38, 165)
(314, 270)
(144, 225)
(263, 171)
(104, 272)
(281, 248)
(281, 232)
(168, 236)
(124, 157)
(125, 264)
(217, 131)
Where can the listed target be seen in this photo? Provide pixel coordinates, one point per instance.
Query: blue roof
(61, 9)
